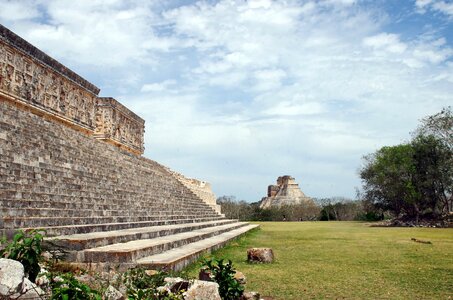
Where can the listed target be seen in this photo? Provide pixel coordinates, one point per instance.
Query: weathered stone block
(11, 277)
(262, 255)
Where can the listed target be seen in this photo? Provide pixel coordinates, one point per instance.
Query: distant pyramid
(285, 192)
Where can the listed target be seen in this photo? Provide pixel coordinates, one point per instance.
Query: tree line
(411, 181)
(326, 209)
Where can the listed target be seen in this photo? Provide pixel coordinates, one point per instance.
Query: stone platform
(71, 164)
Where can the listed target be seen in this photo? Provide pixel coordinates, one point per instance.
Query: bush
(223, 274)
(143, 286)
(66, 287)
(25, 248)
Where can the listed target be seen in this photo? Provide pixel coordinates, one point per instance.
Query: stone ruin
(285, 192)
(71, 164)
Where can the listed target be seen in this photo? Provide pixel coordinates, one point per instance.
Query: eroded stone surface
(30, 291)
(263, 255)
(11, 277)
(202, 290)
(113, 294)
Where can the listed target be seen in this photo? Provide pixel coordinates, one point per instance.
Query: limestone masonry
(285, 192)
(70, 163)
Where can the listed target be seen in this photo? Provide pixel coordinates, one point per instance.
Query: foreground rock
(11, 277)
(202, 290)
(113, 294)
(30, 291)
(14, 284)
(262, 255)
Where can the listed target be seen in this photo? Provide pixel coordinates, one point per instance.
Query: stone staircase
(105, 207)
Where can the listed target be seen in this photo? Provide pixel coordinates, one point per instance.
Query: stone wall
(201, 188)
(53, 175)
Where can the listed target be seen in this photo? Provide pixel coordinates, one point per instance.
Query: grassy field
(346, 260)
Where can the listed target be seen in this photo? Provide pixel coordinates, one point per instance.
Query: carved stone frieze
(34, 80)
(38, 85)
(117, 124)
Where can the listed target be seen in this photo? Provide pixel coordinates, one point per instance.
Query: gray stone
(202, 290)
(11, 277)
(113, 294)
(42, 280)
(264, 255)
(30, 291)
(240, 277)
(205, 274)
(176, 284)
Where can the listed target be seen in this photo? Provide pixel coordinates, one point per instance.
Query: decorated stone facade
(118, 125)
(33, 80)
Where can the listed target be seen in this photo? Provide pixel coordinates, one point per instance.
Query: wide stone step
(178, 258)
(134, 250)
(40, 222)
(103, 238)
(90, 228)
(93, 213)
(8, 200)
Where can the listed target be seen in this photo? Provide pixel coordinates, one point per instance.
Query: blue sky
(238, 93)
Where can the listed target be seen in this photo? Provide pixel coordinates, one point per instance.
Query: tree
(439, 125)
(410, 180)
(388, 179)
(433, 161)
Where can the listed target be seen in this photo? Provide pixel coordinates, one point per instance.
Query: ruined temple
(71, 163)
(285, 192)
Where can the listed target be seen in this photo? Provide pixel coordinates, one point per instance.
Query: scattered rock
(113, 294)
(11, 277)
(202, 290)
(264, 255)
(250, 296)
(205, 274)
(177, 284)
(30, 291)
(240, 277)
(42, 280)
(47, 255)
(151, 272)
(85, 278)
(57, 279)
(420, 241)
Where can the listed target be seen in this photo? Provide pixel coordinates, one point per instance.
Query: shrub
(66, 287)
(25, 248)
(223, 273)
(141, 286)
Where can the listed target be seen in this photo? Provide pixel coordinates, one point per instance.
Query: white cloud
(18, 10)
(157, 86)
(435, 5)
(386, 41)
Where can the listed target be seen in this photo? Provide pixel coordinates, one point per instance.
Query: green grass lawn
(337, 260)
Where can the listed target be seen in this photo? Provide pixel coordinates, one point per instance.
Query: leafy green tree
(410, 180)
(388, 179)
(433, 161)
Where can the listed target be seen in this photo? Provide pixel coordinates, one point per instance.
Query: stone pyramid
(285, 192)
